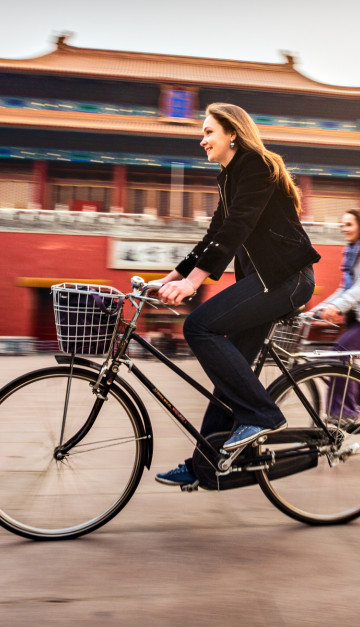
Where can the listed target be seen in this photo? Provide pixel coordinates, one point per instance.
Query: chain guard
(205, 472)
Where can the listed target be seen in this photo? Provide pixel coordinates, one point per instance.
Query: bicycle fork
(101, 392)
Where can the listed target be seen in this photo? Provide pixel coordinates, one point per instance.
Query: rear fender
(299, 369)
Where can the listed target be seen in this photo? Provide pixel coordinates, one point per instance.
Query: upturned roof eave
(60, 62)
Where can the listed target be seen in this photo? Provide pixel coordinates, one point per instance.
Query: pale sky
(324, 35)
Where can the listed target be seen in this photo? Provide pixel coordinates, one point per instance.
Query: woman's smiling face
(350, 228)
(216, 142)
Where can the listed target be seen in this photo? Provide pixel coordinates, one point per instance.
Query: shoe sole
(245, 441)
(174, 483)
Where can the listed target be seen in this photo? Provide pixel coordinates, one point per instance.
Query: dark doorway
(44, 327)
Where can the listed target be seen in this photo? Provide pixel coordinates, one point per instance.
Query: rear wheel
(270, 372)
(45, 498)
(323, 483)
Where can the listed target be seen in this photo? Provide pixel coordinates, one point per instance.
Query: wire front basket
(86, 317)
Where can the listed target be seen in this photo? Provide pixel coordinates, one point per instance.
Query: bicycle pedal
(190, 487)
(261, 440)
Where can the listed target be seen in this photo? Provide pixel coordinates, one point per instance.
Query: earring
(232, 144)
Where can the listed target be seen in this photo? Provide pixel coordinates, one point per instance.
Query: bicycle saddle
(291, 315)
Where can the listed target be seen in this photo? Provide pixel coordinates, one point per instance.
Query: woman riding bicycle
(256, 222)
(346, 301)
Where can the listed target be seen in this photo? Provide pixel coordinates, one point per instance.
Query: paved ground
(174, 559)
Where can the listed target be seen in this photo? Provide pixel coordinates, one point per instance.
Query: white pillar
(176, 190)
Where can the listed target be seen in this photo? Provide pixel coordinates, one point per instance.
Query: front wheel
(45, 498)
(322, 484)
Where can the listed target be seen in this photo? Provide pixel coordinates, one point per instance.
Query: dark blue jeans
(226, 333)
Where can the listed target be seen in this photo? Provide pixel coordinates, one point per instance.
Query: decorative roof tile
(70, 60)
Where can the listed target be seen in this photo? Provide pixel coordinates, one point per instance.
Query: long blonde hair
(234, 119)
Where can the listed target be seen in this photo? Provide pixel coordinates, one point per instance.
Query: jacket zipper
(221, 196)
(256, 270)
(223, 200)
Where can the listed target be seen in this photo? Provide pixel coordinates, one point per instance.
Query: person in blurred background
(346, 302)
(256, 222)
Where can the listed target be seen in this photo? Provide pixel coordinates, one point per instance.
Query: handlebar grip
(152, 286)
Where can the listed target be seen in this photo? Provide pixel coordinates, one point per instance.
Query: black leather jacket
(255, 213)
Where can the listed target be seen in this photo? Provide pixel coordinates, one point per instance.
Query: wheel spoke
(104, 444)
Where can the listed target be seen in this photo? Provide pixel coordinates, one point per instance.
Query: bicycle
(76, 437)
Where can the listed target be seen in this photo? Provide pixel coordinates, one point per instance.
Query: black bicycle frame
(179, 417)
(268, 349)
(61, 450)
(214, 455)
(300, 394)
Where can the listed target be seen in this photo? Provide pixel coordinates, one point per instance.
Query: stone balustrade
(122, 224)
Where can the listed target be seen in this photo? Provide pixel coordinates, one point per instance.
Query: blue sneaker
(248, 433)
(178, 476)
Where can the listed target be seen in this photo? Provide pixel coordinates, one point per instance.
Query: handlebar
(314, 316)
(139, 292)
(140, 287)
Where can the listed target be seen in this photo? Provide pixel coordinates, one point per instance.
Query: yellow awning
(30, 281)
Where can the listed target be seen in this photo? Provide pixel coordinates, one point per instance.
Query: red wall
(45, 255)
(327, 271)
(85, 257)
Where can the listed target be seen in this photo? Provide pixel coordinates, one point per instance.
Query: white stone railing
(95, 223)
(117, 224)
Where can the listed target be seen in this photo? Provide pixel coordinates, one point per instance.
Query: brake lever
(173, 310)
(152, 302)
(152, 305)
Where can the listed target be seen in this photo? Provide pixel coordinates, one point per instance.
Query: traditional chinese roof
(73, 61)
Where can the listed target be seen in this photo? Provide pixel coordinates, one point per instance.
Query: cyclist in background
(257, 223)
(346, 302)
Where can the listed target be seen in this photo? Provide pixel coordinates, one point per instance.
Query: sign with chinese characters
(147, 255)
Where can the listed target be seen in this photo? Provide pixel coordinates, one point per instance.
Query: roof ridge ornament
(291, 59)
(62, 39)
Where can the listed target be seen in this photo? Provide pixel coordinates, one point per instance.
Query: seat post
(260, 360)
(272, 330)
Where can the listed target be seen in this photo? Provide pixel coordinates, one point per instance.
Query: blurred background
(102, 175)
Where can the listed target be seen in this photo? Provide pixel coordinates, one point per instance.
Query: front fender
(125, 387)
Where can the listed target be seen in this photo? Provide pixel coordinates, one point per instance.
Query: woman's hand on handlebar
(331, 314)
(178, 288)
(174, 292)
(172, 276)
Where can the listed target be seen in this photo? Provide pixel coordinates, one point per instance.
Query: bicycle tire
(45, 499)
(321, 494)
(269, 381)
